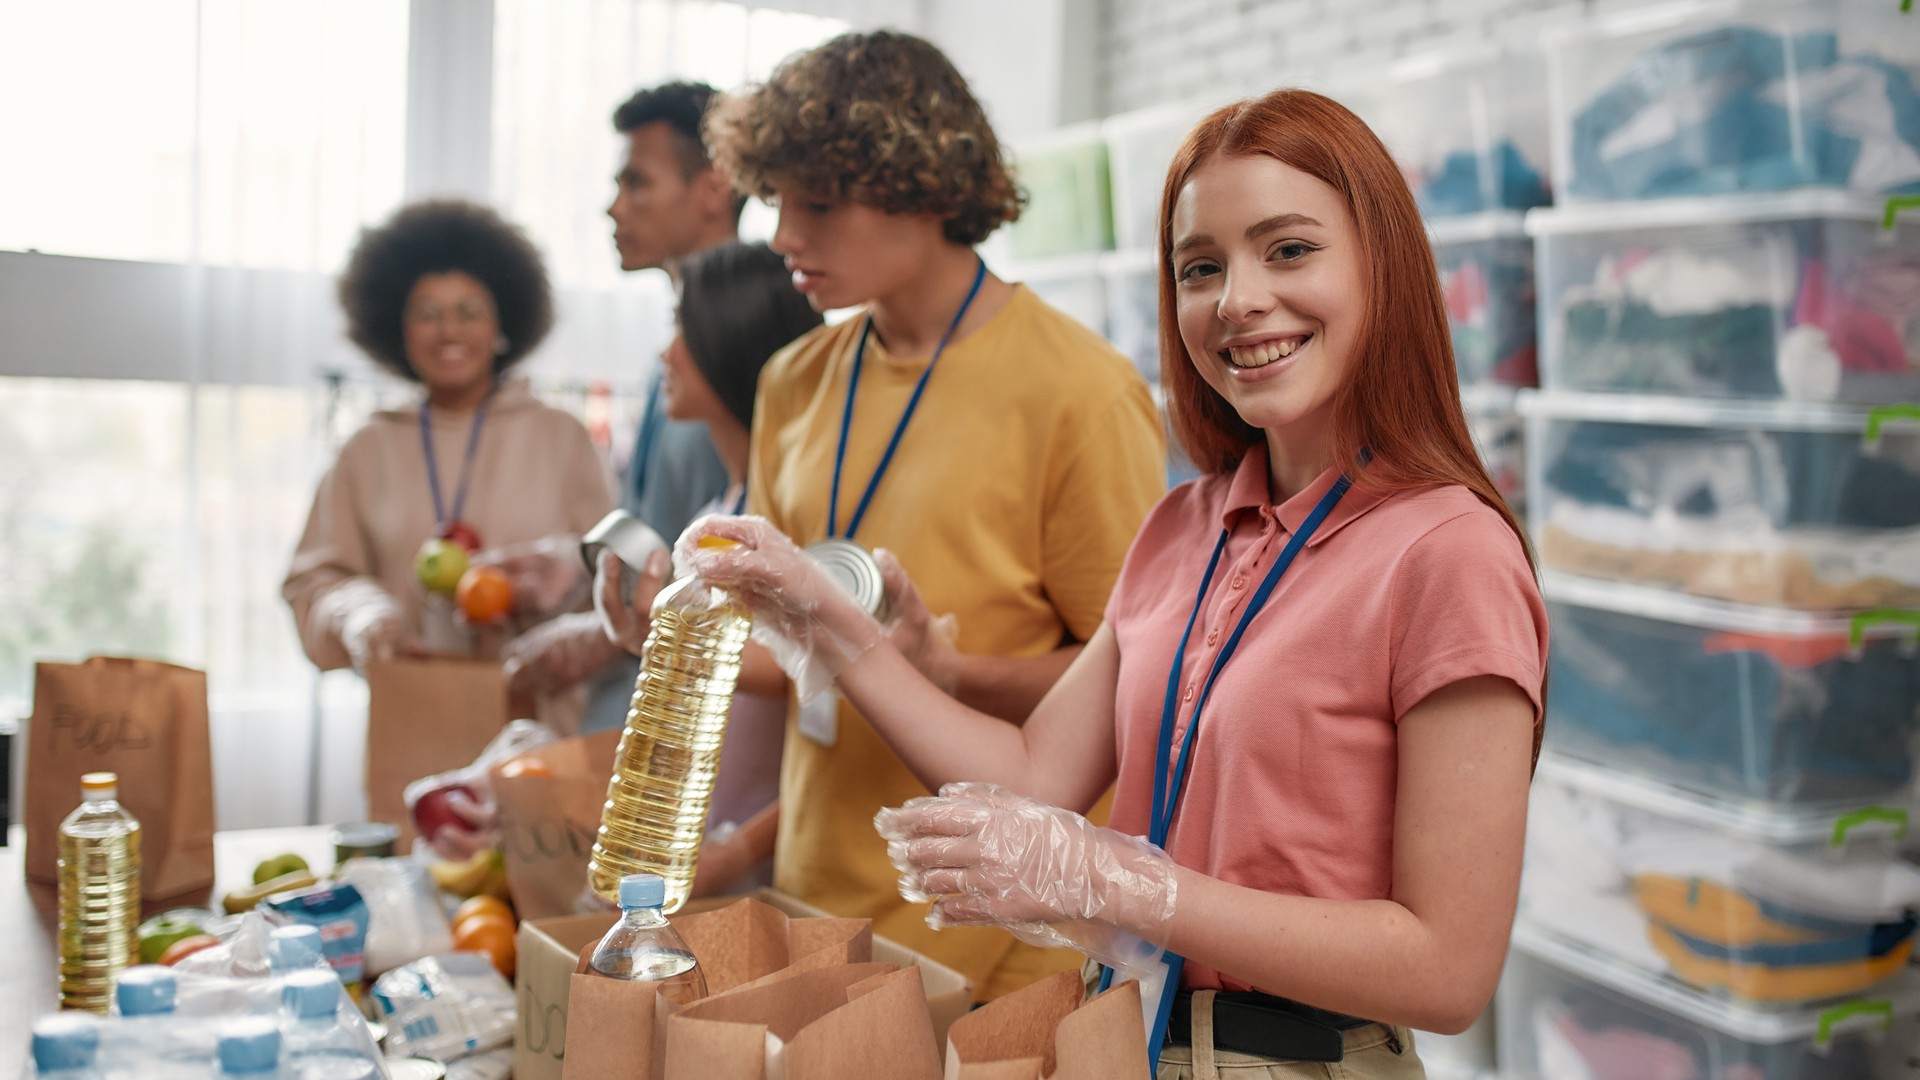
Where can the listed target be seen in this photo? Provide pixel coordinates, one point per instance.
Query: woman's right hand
(627, 619)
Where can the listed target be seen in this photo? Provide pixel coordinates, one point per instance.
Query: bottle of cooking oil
(663, 772)
(99, 894)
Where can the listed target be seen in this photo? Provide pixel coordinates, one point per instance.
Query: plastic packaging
(985, 855)
(99, 894)
(445, 1007)
(404, 919)
(664, 769)
(293, 948)
(66, 1045)
(250, 1047)
(342, 917)
(453, 810)
(644, 947)
(321, 1036)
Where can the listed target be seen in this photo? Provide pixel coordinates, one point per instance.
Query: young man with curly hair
(1003, 453)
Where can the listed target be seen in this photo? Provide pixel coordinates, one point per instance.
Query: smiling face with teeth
(1269, 294)
(451, 331)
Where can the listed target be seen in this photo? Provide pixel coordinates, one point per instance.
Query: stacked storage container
(1724, 491)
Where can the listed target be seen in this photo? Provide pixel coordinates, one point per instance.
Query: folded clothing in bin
(1721, 938)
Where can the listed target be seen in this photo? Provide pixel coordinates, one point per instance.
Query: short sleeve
(1465, 604)
(1095, 505)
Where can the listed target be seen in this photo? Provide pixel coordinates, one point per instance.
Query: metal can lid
(374, 838)
(853, 569)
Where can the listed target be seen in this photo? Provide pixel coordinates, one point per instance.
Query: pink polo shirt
(1291, 785)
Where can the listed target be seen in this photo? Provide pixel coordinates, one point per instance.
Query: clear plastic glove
(803, 617)
(626, 620)
(984, 855)
(473, 828)
(557, 655)
(453, 811)
(368, 622)
(927, 642)
(547, 574)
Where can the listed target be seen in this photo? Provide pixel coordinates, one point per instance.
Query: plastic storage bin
(1802, 296)
(1767, 504)
(1468, 130)
(1486, 277)
(1499, 434)
(1133, 311)
(1068, 210)
(1772, 910)
(1140, 146)
(1740, 703)
(1706, 99)
(1570, 1014)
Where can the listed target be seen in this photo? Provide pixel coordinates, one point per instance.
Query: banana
(466, 878)
(240, 900)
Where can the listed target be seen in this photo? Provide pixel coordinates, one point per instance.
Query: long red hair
(1401, 400)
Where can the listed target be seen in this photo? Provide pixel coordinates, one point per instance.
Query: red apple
(431, 811)
(461, 533)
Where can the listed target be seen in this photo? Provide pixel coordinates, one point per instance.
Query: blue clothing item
(1735, 81)
(1459, 188)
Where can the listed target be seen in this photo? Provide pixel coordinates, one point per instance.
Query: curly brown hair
(878, 118)
(434, 237)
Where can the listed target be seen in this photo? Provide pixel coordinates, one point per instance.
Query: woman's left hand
(557, 655)
(985, 855)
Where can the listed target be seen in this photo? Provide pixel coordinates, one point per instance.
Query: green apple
(278, 866)
(440, 564)
(160, 932)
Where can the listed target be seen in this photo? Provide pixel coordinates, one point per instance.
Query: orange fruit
(491, 934)
(522, 766)
(482, 905)
(485, 594)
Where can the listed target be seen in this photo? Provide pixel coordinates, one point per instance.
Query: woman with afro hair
(446, 295)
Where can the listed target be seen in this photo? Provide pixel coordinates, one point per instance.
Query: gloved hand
(809, 623)
(547, 574)
(478, 830)
(368, 621)
(984, 855)
(625, 620)
(557, 655)
(926, 642)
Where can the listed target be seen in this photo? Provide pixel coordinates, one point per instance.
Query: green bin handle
(1898, 202)
(1859, 625)
(1835, 1016)
(1846, 823)
(1888, 414)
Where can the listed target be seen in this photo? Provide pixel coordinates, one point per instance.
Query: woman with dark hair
(448, 296)
(737, 308)
(1319, 805)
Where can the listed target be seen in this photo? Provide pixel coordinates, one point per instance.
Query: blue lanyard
(440, 518)
(740, 504)
(846, 417)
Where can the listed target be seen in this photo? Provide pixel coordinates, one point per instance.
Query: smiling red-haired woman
(1320, 682)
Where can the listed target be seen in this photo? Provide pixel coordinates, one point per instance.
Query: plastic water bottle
(66, 1046)
(655, 815)
(99, 894)
(318, 1045)
(297, 948)
(148, 990)
(150, 1040)
(250, 1048)
(644, 947)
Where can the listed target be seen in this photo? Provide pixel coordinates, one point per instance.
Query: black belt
(1266, 1026)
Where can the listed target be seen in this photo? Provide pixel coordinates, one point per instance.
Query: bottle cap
(250, 1046)
(95, 786)
(642, 891)
(293, 948)
(311, 994)
(147, 990)
(66, 1041)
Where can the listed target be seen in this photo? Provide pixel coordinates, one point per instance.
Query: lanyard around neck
(1166, 788)
(440, 518)
(899, 429)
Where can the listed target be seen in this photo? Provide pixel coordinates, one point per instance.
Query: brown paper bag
(1043, 1032)
(146, 721)
(830, 1022)
(612, 1024)
(547, 823)
(425, 717)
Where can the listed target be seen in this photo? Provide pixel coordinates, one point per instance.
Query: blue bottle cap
(147, 990)
(642, 891)
(311, 994)
(65, 1041)
(249, 1046)
(291, 948)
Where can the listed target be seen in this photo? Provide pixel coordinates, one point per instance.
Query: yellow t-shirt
(1034, 456)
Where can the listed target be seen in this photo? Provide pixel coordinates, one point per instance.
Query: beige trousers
(1373, 1052)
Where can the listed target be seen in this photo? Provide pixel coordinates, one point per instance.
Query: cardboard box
(549, 953)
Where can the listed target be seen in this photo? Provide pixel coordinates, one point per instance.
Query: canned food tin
(853, 569)
(630, 540)
(367, 839)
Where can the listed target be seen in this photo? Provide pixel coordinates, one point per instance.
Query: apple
(431, 811)
(159, 933)
(278, 866)
(463, 534)
(439, 565)
(186, 947)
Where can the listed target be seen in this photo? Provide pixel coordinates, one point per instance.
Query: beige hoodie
(535, 474)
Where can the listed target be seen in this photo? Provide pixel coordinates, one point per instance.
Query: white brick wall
(1156, 51)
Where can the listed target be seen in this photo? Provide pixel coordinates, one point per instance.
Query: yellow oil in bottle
(663, 772)
(99, 895)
